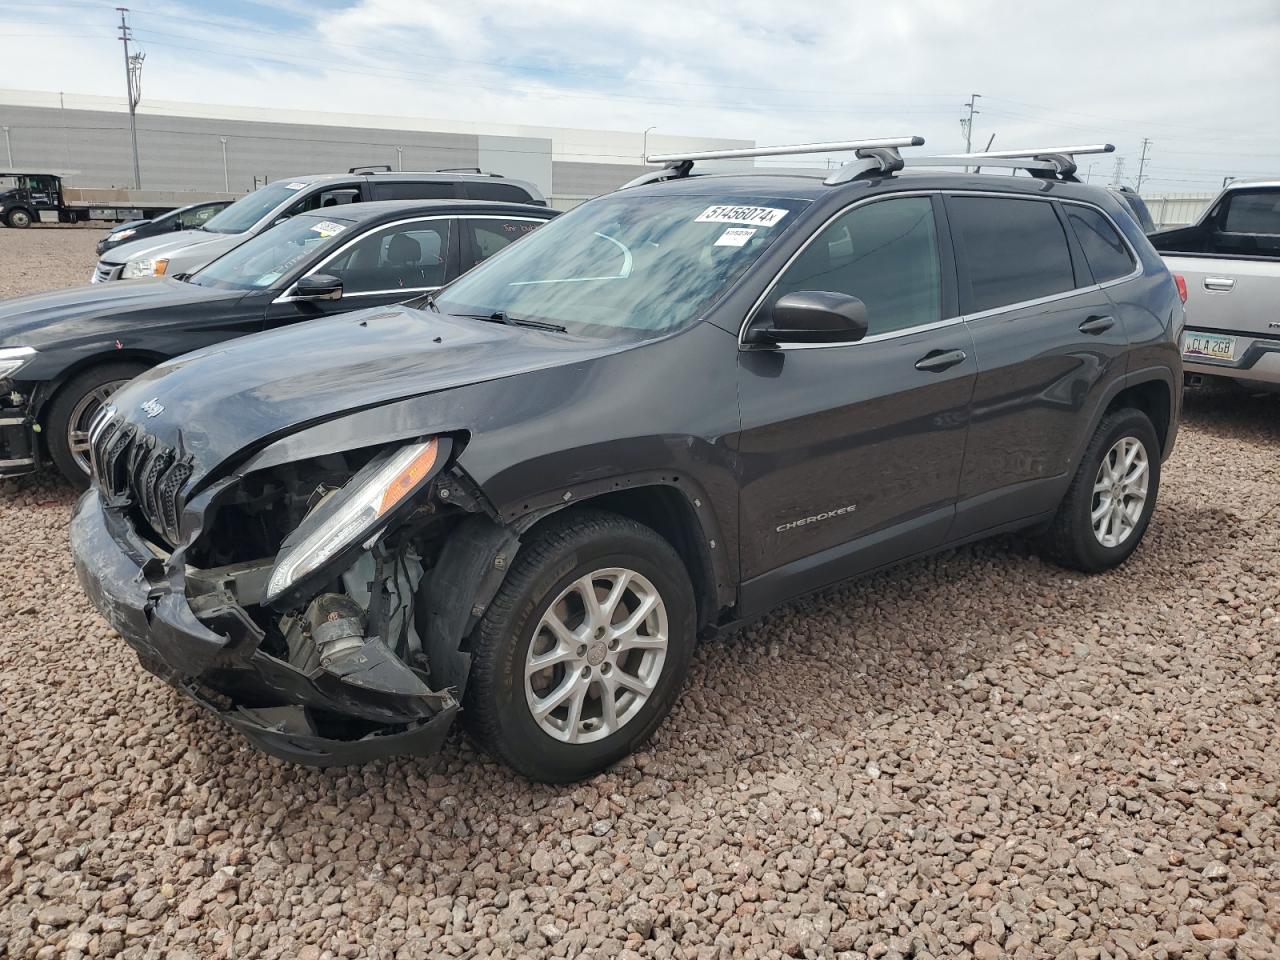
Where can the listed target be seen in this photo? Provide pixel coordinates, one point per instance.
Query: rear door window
(1010, 250)
(488, 235)
(1108, 255)
(1257, 212)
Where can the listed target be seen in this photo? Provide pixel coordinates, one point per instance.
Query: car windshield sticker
(755, 216)
(294, 186)
(735, 237)
(327, 228)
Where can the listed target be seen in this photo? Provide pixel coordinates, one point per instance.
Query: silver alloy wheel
(82, 415)
(1120, 491)
(596, 656)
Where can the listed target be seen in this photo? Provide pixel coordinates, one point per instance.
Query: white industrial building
(203, 147)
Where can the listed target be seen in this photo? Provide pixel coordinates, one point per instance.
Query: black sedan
(63, 353)
(191, 217)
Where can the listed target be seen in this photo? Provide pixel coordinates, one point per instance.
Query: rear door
(851, 453)
(1048, 341)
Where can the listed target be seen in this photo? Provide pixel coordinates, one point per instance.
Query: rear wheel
(1108, 506)
(18, 219)
(584, 649)
(74, 408)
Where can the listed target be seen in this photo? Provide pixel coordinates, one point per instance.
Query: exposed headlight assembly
(122, 234)
(355, 515)
(12, 358)
(136, 269)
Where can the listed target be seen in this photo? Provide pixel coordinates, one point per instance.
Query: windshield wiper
(501, 316)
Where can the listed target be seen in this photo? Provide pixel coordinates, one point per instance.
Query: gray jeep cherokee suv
(522, 499)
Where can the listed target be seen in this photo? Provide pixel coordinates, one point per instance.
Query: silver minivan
(189, 250)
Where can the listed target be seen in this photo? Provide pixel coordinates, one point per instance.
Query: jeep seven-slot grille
(132, 468)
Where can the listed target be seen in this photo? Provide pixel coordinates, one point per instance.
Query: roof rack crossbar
(789, 150)
(1060, 160)
(877, 154)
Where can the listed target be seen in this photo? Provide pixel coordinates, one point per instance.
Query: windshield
(624, 264)
(260, 262)
(247, 211)
(8, 183)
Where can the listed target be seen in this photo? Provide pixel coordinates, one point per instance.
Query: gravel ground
(976, 755)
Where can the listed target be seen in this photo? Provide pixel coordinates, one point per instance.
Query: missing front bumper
(218, 660)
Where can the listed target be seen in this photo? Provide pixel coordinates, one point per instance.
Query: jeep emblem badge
(153, 407)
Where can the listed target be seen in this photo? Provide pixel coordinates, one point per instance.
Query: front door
(851, 454)
(388, 264)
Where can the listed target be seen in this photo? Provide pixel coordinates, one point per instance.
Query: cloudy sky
(1200, 80)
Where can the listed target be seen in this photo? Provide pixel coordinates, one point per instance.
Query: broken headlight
(12, 358)
(354, 514)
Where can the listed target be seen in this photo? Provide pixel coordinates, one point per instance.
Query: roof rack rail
(371, 168)
(1046, 163)
(878, 154)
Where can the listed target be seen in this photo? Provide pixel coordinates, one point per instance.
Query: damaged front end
(314, 605)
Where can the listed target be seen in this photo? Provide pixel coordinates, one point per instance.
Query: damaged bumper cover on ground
(216, 657)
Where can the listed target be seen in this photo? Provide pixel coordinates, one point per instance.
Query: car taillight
(1181, 281)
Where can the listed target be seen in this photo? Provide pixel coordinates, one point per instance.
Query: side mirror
(318, 286)
(811, 316)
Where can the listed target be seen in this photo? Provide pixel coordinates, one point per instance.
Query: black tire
(57, 420)
(495, 709)
(1070, 539)
(18, 219)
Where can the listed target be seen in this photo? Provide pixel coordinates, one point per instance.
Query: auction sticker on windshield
(327, 228)
(735, 237)
(755, 216)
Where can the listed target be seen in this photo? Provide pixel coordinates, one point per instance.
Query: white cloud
(1200, 80)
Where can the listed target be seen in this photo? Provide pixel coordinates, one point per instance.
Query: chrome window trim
(287, 296)
(1138, 271)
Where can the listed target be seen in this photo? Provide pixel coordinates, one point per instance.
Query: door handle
(1097, 324)
(937, 360)
(1219, 283)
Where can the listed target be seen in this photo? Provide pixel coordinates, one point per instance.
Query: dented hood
(229, 400)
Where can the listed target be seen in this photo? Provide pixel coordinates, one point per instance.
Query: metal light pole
(644, 145)
(1088, 172)
(226, 181)
(400, 159)
(8, 146)
(133, 78)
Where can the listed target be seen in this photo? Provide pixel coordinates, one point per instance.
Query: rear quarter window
(507, 192)
(1108, 255)
(1012, 250)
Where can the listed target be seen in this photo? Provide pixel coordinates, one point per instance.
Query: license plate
(1208, 345)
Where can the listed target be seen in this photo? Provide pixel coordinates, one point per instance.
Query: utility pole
(226, 181)
(1119, 172)
(400, 159)
(1088, 172)
(8, 146)
(968, 122)
(644, 146)
(1142, 163)
(133, 78)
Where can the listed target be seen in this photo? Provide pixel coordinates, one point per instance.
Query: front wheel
(18, 219)
(584, 649)
(1108, 506)
(73, 409)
